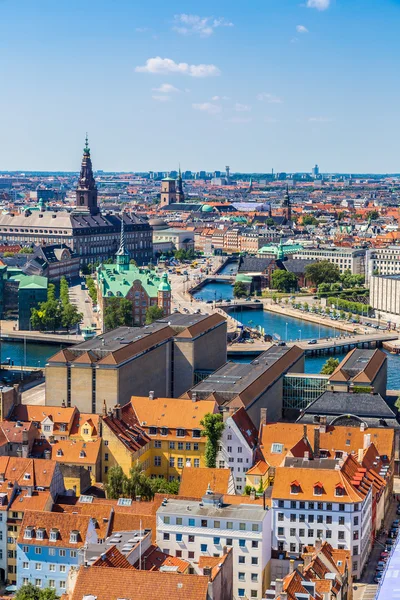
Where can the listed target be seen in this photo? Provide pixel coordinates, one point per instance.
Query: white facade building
(238, 441)
(321, 504)
(384, 296)
(382, 261)
(346, 259)
(190, 529)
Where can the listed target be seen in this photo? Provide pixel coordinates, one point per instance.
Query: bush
(354, 307)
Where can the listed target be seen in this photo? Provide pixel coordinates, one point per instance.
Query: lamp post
(300, 335)
(286, 332)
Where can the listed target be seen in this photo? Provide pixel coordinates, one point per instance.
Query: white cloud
(161, 66)
(208, 107)
(161, 98)
(319, 119)
(301, 29)
(240, 120)
(216, 98)
(166, 88)
(242, 107)
(202, 26)
(318, 4)
(270, 98)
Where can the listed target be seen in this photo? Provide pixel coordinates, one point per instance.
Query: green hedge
(352, 307)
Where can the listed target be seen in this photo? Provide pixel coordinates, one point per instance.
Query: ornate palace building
(93, 235)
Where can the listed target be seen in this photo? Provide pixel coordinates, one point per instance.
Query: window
(329, 506)
(190, 554)
(355, 535)
(320, 518)
(180, 433)
(38, 582)
(38, 566)
(178, 520)
(302, 518)
(311, 505)
(241, 576)
(61, 553)
(318, 489)
(341, 507)
(164, 431)
(254, 560)
(204, 522)
(38, 551)
(292, 531)
(180, 463)
(196, 463)
(253, 594)
(167, 520)
(25, 565)
(62, 585)
(341, 520)
(280, 516)
(292, 547)
(178, 553)
(355, 521)
(229, 541)
(157, 444)
(52, 567)
(242, 526)
(280, 530)
(293, 518)
(166, 536)
(242, 543)
(203, 547)
(188, 446)
(301, 532)
(52, 551)
(171, 461)
(311, 533)
(152, 430)
(254, 577)
(254, 527)
(319, 533)
(277, 448)
(217, 524)
(191, 539)
(341, 535)
(328, 520)
(281, 503)
(191, 522)
(216, 541)
(320, 506)
(52, 583)
(254, 544)
(293, 504)
(242, 560)
(339, 491)
(196, 433)
(241, 593)
(172, 445)
(328, 534)
(311, 518)
(294, 487)
(229, 525)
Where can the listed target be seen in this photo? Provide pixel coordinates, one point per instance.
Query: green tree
(270, 222)
(213, 427)
(330, 366)
(117, 313)
(284, 281)
(137, 484)
(153, 313)
(31, 592)
(322, 272)
(397, 403)
(116, 482)
(373, 215)
(70, 316)
(239, 289)
(133, 262)
(159, 485)
(309, 220)
(26, 250)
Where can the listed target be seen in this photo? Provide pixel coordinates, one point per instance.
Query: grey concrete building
(385, 296)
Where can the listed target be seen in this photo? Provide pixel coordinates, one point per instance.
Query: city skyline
(277, 85)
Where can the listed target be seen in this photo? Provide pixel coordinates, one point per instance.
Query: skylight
(277, 448)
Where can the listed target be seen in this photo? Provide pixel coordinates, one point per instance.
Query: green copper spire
(164, 284)
(122, 255)
(86, 149)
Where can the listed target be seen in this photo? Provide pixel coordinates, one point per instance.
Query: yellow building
(172, 430)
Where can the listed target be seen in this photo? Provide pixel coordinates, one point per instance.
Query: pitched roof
(64, 523)
(72, 451)
(113, 558)
(153, 559)
(194, 481)
(246, 426)
(170, 412)
(202, 326)
(112, 584)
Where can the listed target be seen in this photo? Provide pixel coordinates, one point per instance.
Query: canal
(36, 354)
(215, 290)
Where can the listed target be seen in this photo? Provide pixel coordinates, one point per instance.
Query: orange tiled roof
(194, 481)
(112, 558)
(64, 523)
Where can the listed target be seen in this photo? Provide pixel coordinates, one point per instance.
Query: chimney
(29, 491)
(283, 596)
(304, 432)
(360, 455)
(104, 408)
(194, 396)
(263, 416)
(300, 568)
(252, 494)
(307, 558)
(367, 440)
(63, 404)
(316, 442)
(278, 587)
(291, 566)
(47, 454)
(118, 411)
(322, 426)
(207, 572)
(151, 395)
(362, 426)
(306, 455)
(318, 545)
(25, 440)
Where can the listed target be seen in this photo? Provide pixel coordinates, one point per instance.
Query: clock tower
(86, 191)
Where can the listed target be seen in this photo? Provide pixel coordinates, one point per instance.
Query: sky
(257, 85)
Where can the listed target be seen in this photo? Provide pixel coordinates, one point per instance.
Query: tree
(117, 313)
(26, 250)
(137, 484)
(373, 215)
(133, 262)
(31, 592)
(322, 272)
(330, 366)
(116, 482)
(309, 220)
(284, 281)
(213, 427)
(270, 222)
(70, 316)
(153, 313)
(159, 485)
(239, 289)
(397, 403)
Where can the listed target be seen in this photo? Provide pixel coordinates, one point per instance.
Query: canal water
(36, 354)
(215, 290)
(230, 268)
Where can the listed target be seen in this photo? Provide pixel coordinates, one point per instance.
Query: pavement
(365, 589)
(34, 395)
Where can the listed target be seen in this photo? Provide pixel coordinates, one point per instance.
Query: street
(83, 303)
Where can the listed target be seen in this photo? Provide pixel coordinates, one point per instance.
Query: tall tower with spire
(86, 191)
(180, 194)
(122, 254)
(287, 209)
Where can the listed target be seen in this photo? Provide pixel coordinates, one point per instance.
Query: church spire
(86, 191)
(287, 209)
(122, 255)
(121, 249)
(180, 194)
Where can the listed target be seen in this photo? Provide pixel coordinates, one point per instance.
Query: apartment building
(346, 259)
(385, 296)
(48, 545)
(238, 443)
(382, 261)
(192, 529)
(331, 501)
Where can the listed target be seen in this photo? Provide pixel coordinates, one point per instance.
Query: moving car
(312, 342)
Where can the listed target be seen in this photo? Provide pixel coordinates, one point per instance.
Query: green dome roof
(206, 208)
(164, 284)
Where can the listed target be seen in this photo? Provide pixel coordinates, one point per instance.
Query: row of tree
(92, 291)
(31, 592)
(55, 312)
(357, 308)
(137, 484)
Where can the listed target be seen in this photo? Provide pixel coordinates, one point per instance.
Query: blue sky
(257, 85)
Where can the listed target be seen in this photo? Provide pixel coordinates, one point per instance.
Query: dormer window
(73, 538)
(28, 535)
(196, 433)
(180, 433)
(40, 533)
(59, 452)
(164, 431)
(318, 487)
(82, 454)
(53, 535)
(152, 430)
(63, 427)
(339, 490)
(27, 476)
(295, 487)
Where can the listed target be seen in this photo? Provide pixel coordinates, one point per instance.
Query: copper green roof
(164, 284)
(115, 283)
(31, 281)
(281, 250)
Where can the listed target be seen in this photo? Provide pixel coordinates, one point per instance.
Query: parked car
(312, 342)
(378, 577)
